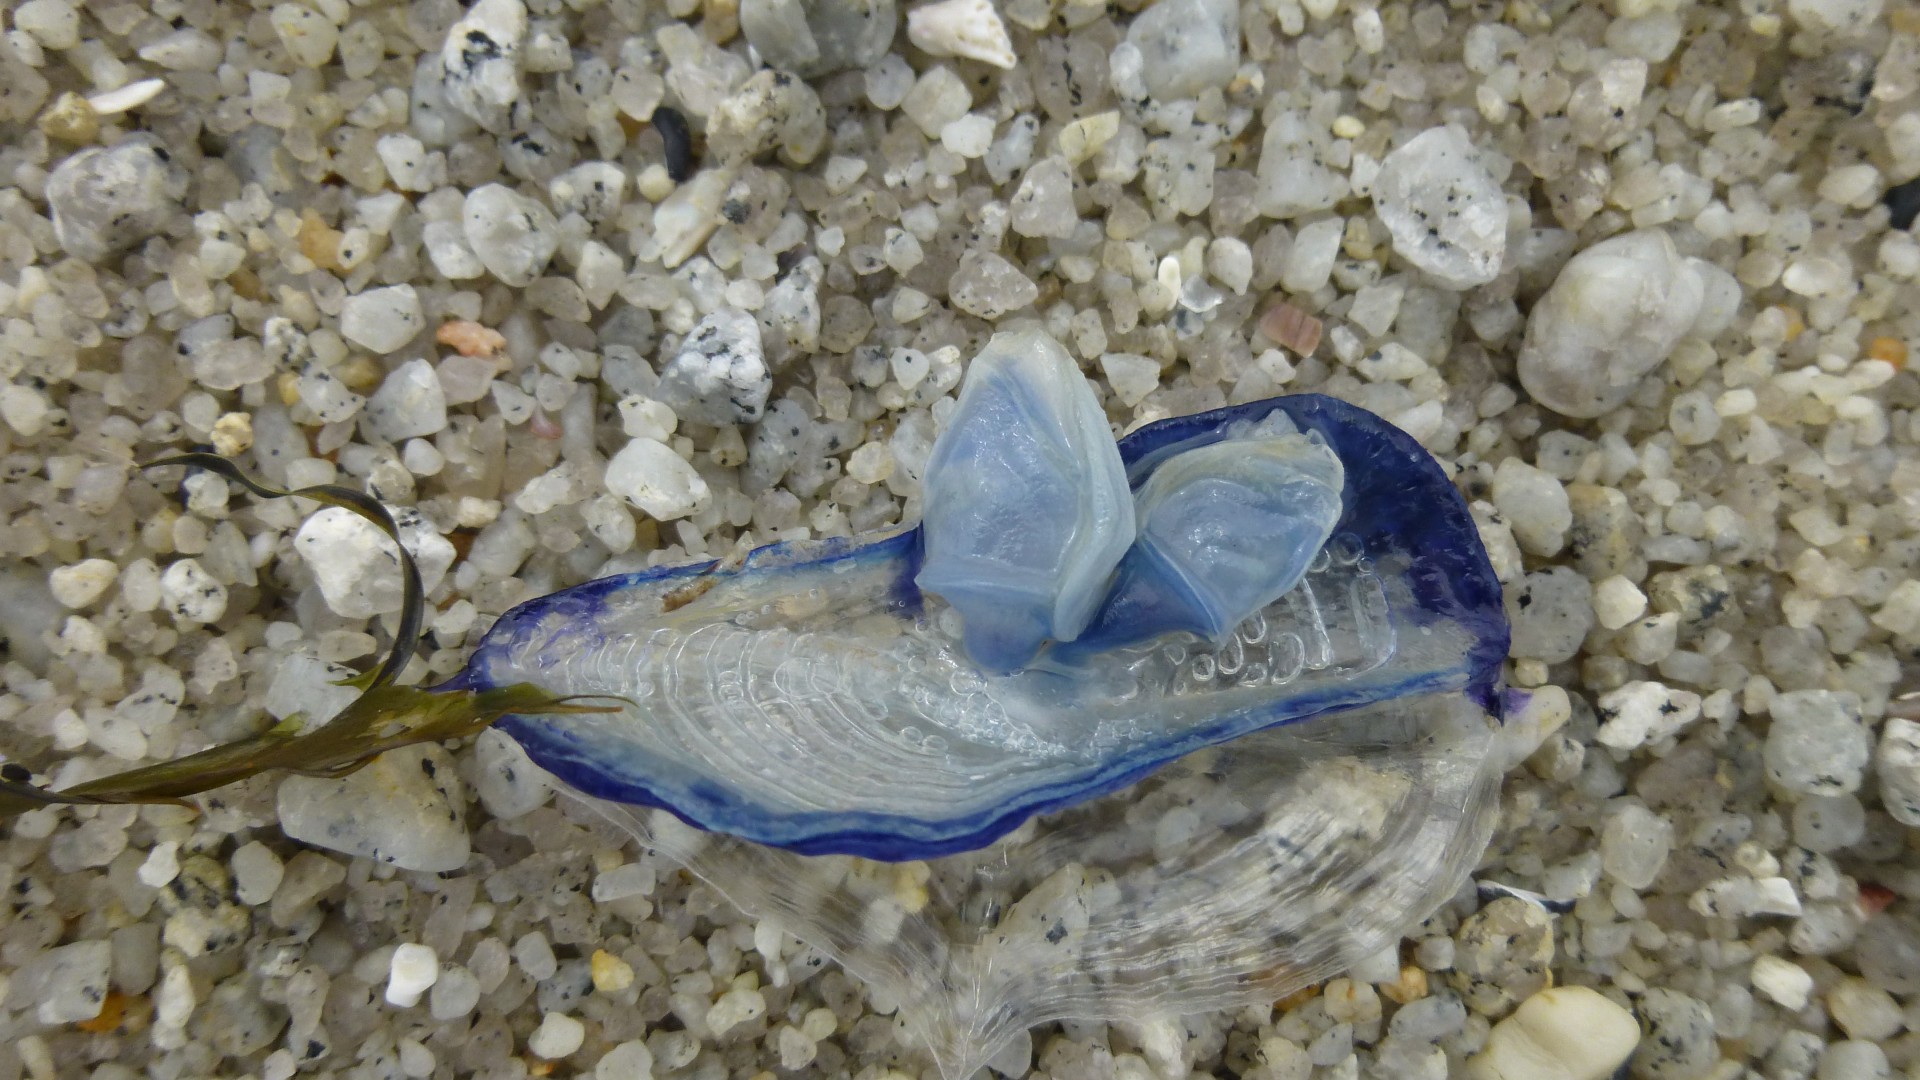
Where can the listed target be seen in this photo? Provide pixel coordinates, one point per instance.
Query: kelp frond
(384, 717)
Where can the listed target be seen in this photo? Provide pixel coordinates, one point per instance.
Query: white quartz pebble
(1634, 845)
(107, 199)
(1444, 212)
(685, 219)
(1535, 504)
(1783, 981)
(1617, 602)
(410, 403)
(190, 594)
(512, 235)
(81, 584)
(1641, 712)
(1818, 744)
(1898, 764)
(627, 1061)
(1613, 315)
(655, 480)
(354, 562)
(719, 374)
(1565, 1033)
(1132, 376)
(382, 320)
(480, 60)
(557, 1036)
(1187, 45)
(405, 809)
(968, 28)
(309, 36)
(413, 969)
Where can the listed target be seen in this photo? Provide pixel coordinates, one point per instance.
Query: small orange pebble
(1890, 349)
(289, 386)
(247, 284)
(469, 338)
(319, 241)
(1795, 324)
(1874, 898)
(113, 1009)
(360, 373)
(1297, 998)
(1410, 986)
(1288, 325)
(537, 1066)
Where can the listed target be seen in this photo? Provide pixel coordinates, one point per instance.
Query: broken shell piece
(131, 96)
(965, 28)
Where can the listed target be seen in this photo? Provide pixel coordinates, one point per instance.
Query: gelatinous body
(1225, 530)
(814, 698)
(1028, 510)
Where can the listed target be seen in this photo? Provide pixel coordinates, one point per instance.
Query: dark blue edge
(1394, 491)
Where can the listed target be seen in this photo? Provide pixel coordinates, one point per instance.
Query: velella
(813, 697)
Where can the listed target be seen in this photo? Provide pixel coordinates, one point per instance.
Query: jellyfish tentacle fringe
(384, 717)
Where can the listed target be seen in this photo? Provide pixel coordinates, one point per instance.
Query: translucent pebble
(409, 404)
(309, 36)
(1043, 205)
(1309, 262)
(513, 236)
(988, 286)
(66, 984)
(1828, 823)
(1853, 1059)
(1818, 744)
(1445, 213)
(817, 37)
(627, 1061)
(405, 809)
(1027, 443)
(454, 994)
(1224, 530)
(1187, 46)
(1897, 762)
(382, 320)
(1295, 175)
(1613, 315)
(107, 199)
(1634, 845)
(508, 784)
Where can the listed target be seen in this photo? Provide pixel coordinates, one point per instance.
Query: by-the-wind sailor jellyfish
(1027, 509)
(813, 697)
(1224, 530)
